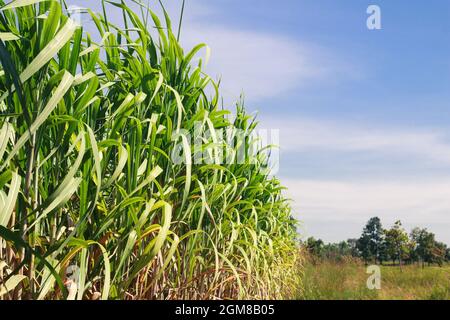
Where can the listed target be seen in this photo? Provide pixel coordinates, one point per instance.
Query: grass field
(328, 280)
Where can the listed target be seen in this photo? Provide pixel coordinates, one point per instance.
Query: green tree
(439, 253)
(397, 243)
(425, 243)
(314, 246)
(353, 247)
(371, 242)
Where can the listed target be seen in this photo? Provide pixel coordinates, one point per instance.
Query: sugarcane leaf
(21, 3)
(50, 50)
(57, 96)
(11, 284)
(8, 36)
(8, 204)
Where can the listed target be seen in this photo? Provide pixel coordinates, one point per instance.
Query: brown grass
(346, 280)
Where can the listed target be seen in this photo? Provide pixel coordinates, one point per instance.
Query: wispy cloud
(337, 206)
(320, 204)
(314, 135)
(257, 63)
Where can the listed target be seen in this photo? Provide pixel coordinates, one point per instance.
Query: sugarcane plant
(94, 203)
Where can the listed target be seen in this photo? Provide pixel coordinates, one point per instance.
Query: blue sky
(363, 114)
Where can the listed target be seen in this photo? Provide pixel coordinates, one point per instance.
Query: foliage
(92, 204)
(382, 245)
(397, 243)
(331, 251)
(371, 242)
(427, 249)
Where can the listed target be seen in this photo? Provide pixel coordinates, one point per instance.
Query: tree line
(379, 245)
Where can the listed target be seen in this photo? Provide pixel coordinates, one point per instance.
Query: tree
(425, 243)
(353, 247)
(397, 243)
(411, 252)
(343, 248)
(371, 242)
(314, 246)
(439, 253)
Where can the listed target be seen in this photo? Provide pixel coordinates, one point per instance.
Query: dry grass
(329, 280)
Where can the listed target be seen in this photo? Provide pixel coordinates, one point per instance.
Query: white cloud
(306, 135)
(336, 208)
(259, 64)
(344, 200)
(256, 63)
(321, 204)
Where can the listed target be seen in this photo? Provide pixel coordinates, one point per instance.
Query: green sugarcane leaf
(57, 96)
(59, 200)
(21, 3)
(51, 49)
